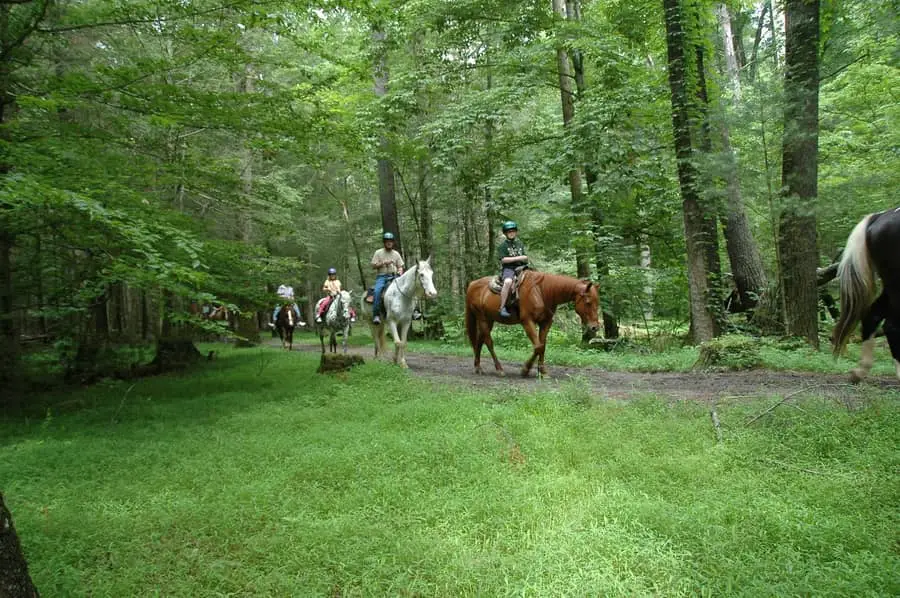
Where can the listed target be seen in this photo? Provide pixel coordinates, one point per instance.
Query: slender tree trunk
(426, 243)
(728, 44)
(387, 194)
(704, 320)
(757, 39)
(356, 252)
(743, 253)
(581, 237)
(746, 263)
(797, 220)
(9, 342)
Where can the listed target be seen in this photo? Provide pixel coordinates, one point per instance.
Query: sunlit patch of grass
(255, 476)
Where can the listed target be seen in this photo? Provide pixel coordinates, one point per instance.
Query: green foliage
(336, 483)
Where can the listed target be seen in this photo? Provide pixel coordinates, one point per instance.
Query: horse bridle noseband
(414, 287)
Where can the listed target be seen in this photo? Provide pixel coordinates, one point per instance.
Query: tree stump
(14, 579)
(175, 354)
(338, 362)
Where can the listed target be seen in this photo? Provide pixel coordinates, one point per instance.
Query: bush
(729, 353)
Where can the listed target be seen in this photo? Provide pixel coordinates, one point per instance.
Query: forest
(700, 162)
(697, 159)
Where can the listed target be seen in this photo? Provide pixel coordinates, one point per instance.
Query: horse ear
(428, 261)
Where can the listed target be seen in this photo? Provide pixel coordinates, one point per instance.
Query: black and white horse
(872, 248)
(337, 318)
(285, 324)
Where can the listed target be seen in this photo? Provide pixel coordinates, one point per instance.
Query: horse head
(587, 306)
(425, 278)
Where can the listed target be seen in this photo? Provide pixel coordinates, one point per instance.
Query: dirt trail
(677, 385)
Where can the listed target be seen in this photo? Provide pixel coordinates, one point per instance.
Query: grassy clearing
(255, 476)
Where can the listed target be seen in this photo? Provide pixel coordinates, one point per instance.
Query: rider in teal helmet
(388, 264)
(512, 255)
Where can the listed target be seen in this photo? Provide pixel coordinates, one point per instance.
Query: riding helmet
(332, 271)
(509, 225)
(387, 237)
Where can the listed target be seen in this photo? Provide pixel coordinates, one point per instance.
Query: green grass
(256, 477)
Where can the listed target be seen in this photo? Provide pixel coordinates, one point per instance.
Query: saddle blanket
(496, 284)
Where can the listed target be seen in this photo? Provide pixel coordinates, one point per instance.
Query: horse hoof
(856, 376)
(525, 373)
(479, 371)
(501, 373)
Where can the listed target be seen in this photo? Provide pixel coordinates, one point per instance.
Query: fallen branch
(785, 398)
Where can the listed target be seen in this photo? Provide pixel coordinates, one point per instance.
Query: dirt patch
(458, 371)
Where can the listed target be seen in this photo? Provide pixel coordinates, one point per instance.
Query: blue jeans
(278, 309)
(380, 282)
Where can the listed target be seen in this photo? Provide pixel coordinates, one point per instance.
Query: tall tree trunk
(710, 211)
(426, 243)
(797, 219)
(387, 194)
(732, 68)
(610, 323)
(743, 253)
(746, 263)
(356, 252)
(9, 342)
(704, 320)
(757, 39)
(247, 325)
(581, 238)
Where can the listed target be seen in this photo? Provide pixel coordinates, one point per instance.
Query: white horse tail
(857, 280)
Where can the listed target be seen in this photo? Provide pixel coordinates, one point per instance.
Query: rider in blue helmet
(331, 286)
(512, 255)
(388, 264)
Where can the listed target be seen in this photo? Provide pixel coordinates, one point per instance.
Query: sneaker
(319, 320)
(504, 313)
(376, 320)
(271, 325)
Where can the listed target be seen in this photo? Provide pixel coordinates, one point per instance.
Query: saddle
(496, 284)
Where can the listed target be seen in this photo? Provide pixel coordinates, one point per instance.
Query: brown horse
(539, 295)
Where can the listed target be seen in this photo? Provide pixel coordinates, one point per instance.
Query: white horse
(336, 318)
(399, 301)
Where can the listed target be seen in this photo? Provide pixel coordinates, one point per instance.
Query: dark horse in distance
(872, 248)
(539, 295)
(285, 324)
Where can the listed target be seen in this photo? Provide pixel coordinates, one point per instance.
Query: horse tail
(471, 324)
(857, 282)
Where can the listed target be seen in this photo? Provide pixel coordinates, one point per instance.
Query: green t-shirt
(507, 248)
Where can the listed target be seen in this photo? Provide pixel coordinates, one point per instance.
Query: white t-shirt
(286, 291)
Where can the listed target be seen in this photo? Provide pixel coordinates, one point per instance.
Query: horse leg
(404, 331)
(870, 321)
(396, 336)
(544, 330)
(892, 332)
(344, 339)
(333, 342)
(532, 333)
(485, 334)
(322, 338)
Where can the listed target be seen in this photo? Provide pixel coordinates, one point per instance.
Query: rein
(415, 280)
